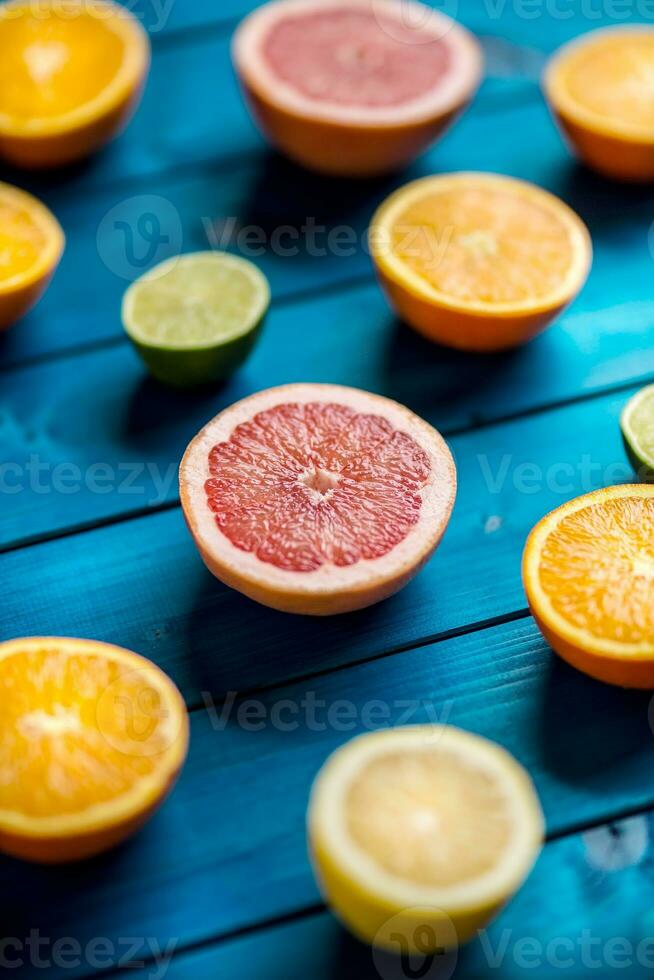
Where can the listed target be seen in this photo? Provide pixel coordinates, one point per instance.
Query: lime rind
(637, 425)
(195, 318)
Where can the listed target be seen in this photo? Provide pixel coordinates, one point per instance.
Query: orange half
(92, 738)
(70, 77)
(31, 245)
(589, 576)
(479, 261)
(601, 90)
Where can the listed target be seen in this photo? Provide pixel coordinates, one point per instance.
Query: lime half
(638, 432)
(195, 318)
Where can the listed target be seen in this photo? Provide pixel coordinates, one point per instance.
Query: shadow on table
(612, 733)
(454, 388)
(602, 202)
(235, 644)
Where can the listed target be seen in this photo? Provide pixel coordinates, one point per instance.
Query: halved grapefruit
(315, 498)
(354, 87)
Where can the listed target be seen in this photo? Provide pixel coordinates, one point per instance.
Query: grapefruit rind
(20, 292)
(366, 896)
(621, 663)
(347, 140)
(616, 147)
(74, 836)
(331, 589)
(473, 324)
(60, 139)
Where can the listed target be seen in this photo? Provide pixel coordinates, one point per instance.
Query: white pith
(452, 91)
(437, 496)
(328, 826)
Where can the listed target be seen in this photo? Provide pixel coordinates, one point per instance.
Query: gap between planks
(633, 384)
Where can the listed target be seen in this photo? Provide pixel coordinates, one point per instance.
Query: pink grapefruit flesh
(354, 58)
(354, 86)
(317, 499)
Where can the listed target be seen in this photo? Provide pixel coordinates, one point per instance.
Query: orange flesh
(616, 79)
(597, 568)
(50, 64)
(302, 485)
(480, 244)
(21, 240)
(355, 57)
(428, 817)
(75, 730)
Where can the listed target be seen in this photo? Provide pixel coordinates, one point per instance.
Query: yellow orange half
(31, 245)
(478, 261)
(71, 75)
(92, 738)
(589, 576)
(601, 91)
(420, 835)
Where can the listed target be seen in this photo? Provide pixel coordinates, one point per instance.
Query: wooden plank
(543, 25)
(154, 590)
(269, 194)
(202, 117)
(228, 849)
(67, 424)
(581, 913)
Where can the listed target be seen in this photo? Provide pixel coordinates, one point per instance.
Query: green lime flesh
(196, 318)
(637, 425)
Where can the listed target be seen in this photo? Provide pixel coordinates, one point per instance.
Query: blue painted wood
(580, 914)
(145, 587)
(543, 25)
(228, 849)
(91, 438)
(271, 194)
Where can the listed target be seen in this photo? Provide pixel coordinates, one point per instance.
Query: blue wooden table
(93, 543)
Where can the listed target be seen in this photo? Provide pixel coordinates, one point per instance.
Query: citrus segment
(70, 76)
(316, 498)
(422, 827)
(91, 739)
(638, 432)
(589, 574)
(31, 244)
(478, 261)
(601, 89)
(195, 318)
(354, 87)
